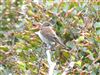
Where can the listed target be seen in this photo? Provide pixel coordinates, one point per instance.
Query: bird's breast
(42, 37)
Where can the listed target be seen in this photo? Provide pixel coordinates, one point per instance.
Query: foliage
(77, 23)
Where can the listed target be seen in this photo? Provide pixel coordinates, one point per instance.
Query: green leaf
(1, 35)
(98, 32)
(80, 21)
(79, 63)
(21, 65)
(81, 38)
(72, 57)
(64, 6)
(93, 73)
(66, 53)
(97, 25)
(4, 48)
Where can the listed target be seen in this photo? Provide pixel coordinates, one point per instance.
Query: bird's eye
(46, 24)
(34, 24)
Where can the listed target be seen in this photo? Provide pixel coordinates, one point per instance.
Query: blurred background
(76, 22)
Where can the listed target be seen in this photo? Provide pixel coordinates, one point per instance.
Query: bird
(48, 35)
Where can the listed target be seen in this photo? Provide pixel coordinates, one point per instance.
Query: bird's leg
(49, 46)
(44, 45)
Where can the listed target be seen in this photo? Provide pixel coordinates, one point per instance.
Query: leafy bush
(22, 51)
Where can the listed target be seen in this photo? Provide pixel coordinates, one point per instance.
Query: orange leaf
(69, 12)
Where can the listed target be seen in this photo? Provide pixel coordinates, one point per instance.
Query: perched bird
(48, 35)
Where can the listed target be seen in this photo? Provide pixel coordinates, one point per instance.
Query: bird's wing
(48, 33)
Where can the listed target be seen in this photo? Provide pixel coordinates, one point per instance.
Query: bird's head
(46, 24)
(38, 26)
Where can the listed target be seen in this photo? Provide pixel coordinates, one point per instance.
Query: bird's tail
(58, 40)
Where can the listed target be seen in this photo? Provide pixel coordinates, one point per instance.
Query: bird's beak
(36, 26)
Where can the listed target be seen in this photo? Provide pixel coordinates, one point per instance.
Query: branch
(51, 64)
(68, 68)
(65, 71)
